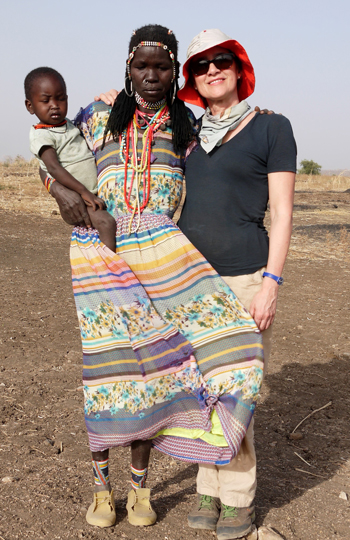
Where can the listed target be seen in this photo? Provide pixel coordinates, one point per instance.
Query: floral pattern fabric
(165, 341)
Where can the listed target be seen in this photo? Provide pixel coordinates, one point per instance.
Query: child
(60, 147)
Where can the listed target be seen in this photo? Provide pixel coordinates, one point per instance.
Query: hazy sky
(300, 51)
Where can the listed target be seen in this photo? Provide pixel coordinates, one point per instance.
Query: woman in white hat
(241, 161)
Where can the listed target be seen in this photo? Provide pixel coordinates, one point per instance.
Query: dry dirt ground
(45, 470)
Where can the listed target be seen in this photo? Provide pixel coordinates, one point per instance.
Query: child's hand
(93, 201)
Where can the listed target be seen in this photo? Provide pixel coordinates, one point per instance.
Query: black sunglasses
(222, 61)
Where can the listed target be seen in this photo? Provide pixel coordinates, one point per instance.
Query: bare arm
(72, 207)
(55, 169)
(281, 195)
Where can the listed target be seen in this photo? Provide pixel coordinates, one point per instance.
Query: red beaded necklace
(140, 166)
(42, 126)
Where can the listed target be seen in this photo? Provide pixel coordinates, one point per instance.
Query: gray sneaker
(206, 513)
(234, 522)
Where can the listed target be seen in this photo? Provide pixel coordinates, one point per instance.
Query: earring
(131, 89)
(174, 91)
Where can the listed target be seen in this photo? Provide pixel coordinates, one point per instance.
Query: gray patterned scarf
(214, 128)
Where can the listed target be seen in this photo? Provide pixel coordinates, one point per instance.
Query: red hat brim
(190, 95)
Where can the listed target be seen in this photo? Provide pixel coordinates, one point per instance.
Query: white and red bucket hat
(208, 39)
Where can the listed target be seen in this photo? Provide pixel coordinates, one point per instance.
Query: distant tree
(309, 167)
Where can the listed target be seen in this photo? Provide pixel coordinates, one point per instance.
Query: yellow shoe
(140, 511)
(102, 511)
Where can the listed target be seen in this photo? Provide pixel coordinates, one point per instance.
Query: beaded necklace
(147, 104)
(46, 126)
(140, 166)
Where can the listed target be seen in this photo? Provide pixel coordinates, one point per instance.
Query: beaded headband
(151, 44)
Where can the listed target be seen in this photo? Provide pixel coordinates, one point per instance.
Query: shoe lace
(205, 502)
(101, 500)
(229, 511)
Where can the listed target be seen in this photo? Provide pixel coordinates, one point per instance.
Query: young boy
(60, 147)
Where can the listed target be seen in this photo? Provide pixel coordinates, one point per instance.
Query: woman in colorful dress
(171, 358)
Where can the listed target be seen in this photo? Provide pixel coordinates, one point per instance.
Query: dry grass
(335, 246)
(21, 189)
(307, 182)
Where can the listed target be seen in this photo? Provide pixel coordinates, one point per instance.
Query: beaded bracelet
(48, 183)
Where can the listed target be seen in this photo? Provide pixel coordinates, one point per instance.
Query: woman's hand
(72, 207)
(109, 97)
(261, 111)
(91, 200)
(264, 304)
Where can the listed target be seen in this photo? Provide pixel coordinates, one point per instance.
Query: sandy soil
(44, 457)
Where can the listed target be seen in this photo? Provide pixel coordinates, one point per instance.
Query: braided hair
(124, 107)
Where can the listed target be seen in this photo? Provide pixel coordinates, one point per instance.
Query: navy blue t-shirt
(227, 194)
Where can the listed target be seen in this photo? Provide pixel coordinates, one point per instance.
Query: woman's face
(151, 72)
(217, 85)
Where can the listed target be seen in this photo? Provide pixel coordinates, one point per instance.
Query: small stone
(49, 442)
(343, 496)
(296, 436)
(54, 213)
(8, 479)
(253, 535)
(346, 356)
(266, 533)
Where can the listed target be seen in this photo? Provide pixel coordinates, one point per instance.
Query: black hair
(124, 107)
(39, 73)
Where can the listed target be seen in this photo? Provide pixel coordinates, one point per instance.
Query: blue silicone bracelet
(279, 280)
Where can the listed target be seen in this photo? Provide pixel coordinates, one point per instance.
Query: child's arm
(72, 207)
(55, 169)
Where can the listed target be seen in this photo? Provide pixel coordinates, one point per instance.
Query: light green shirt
(72, 152)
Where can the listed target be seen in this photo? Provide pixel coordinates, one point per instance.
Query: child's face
(49, 101)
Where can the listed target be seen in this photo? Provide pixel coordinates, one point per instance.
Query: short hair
(37, 74)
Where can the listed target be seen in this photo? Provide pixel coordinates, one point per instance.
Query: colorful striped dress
(168, 350)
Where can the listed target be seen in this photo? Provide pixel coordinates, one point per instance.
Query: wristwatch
(278, 280)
